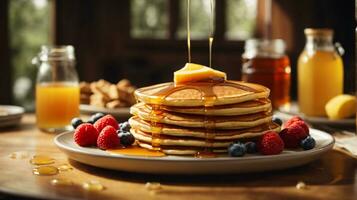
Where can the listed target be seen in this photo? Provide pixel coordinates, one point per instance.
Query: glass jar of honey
(265, 63)
(57, 88)
(320, 72)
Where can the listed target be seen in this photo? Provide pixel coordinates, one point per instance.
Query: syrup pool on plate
(136, 151)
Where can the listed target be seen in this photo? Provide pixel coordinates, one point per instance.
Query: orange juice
(320, 77)
(56, 105)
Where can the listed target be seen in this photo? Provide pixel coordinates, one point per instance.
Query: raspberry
(270, 143)
(303, 125)
(108, 138)
(85, 135)
(291, 136)
(292, 120)
(107, 120)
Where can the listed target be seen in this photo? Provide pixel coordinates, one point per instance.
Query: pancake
(183, 146)
(248, 107)
(187, 151)
(171, 130)
(201, 93)
(186, 120)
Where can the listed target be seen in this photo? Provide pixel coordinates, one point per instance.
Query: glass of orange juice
(320, 72)
(57, 88)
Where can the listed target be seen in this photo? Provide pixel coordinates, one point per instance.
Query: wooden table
(334, 176)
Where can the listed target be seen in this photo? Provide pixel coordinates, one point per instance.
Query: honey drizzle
(211, 30)
(188, 32)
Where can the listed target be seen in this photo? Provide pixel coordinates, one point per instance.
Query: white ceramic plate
(12, 117)
(292, 110)
(116, 112)
(190, 165)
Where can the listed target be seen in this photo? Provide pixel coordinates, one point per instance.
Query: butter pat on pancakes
(192, 72)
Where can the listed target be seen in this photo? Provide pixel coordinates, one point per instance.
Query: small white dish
(190, 165)
(286, 112)
(116, 112)
(10, 115)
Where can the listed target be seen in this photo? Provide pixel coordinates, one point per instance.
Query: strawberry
(270, 143)
(108, 138)
(107, 120)
(85, 135)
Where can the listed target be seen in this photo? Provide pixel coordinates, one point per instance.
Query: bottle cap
(318, 31)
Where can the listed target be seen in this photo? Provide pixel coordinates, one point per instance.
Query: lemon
(341, 107)
(194, 72)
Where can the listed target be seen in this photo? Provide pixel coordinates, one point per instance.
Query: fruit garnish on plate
(341, 107)
(103, 132)
(294, 135)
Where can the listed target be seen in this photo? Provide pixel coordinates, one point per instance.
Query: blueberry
(90, 121)
(251, 147)
(124, 127)
(96, 116)
(126, 138)
(308, 143)
(277, 120)
(76, 122)
(236, 149)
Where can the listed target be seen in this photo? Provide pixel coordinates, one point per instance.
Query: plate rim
(18, 111)
(348, 121)
(192, 159)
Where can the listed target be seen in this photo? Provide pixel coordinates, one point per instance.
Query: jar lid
(318, 31)
(57, 53)
(264, 47)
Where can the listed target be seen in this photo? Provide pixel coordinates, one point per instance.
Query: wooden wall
(5, 75)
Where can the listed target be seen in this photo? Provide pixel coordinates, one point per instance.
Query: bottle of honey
(320, 72)
(265, 63)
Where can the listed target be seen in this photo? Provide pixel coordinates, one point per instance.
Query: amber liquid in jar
(273, 73)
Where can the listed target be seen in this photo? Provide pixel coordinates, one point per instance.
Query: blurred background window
(29, 22)
(240, 19)
(149, 19)
(199, 19)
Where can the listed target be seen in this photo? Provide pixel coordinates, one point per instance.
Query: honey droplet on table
(93, 186)
(45, 171)
(61, 182)
(42, 160)
(153, 186)
(64, 167)
(19, 155)
(301, 185)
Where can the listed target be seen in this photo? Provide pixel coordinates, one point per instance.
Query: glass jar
(320, 72)
(57, 88)
(265, 63)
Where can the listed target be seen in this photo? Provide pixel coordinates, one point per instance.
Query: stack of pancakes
(185, 120)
